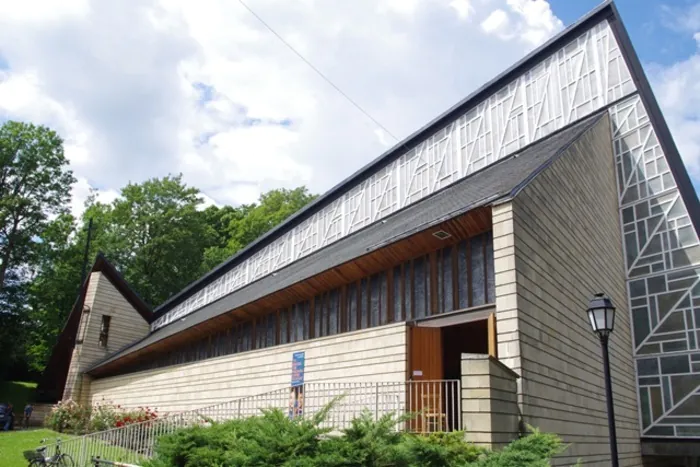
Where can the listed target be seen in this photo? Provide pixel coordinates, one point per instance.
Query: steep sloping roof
(498, 181)
(605, 10)
(54, 377)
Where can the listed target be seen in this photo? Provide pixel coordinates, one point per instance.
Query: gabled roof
(54, 377)
(498, 182)
(603, 11)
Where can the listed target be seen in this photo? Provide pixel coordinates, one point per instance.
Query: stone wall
(489, 401)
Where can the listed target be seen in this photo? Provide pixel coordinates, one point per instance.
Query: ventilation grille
(441, 234)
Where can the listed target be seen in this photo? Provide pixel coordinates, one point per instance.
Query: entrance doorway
(434, 368)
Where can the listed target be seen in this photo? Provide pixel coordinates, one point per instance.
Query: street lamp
(601, 314)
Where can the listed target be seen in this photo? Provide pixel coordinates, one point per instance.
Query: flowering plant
(69, 416)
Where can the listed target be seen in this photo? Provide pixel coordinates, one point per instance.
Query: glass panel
(648, 367)
(352, 307)
(364, 308)
(408, 290)
(374, 300)
(284, 324)
(659, 431)
(244, 337)
(334, 313)
(690, 407)
(397, 295)
(490, 276)
(420, 296)
(462, 279)
(675, 346)
(478, 272)
(447, 303)
(383, 296)
(688, 430)
(649, 381)
(656, 406)
(676, 364)
(640, 318)
(644, 403)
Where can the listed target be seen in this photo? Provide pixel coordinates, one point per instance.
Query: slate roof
(499, 181)
(605, 10)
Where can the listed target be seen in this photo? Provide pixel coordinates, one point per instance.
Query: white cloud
(82, 190)
(497, 23)
(530, 21)
(142, 88)
(677, 88)
(464, 8)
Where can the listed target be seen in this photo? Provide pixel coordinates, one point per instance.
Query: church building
(468, 254)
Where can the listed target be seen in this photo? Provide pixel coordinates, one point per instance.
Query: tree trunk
(8, 253)
(3, 266)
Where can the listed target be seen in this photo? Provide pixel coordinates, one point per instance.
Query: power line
(318, 72)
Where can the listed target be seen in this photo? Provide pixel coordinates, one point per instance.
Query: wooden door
(425, 359)
(425, 367)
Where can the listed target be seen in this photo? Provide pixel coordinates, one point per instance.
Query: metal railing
(437, 405)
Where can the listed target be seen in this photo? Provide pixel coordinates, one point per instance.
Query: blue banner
(298, 369)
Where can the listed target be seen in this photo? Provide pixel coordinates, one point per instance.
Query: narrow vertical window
(104, 330)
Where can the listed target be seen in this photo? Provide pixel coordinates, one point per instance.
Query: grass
(18, 393)
(13, 443)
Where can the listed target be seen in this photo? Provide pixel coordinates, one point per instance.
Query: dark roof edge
(668, 145)
(102, 265)
(502, 196)
(599, 13)
(594, 119)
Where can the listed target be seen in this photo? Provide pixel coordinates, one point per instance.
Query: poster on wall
(296, 393)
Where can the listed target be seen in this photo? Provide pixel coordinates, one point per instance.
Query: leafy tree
(246, 223)
(35, 184)
(54, 287)
(273, 208)
(155, 235)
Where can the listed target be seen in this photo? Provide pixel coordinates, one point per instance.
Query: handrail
(135, 442)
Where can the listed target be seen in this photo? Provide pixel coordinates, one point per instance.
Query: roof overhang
(604, 11)
(462, 210)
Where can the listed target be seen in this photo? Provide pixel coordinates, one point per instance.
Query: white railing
(437, 405)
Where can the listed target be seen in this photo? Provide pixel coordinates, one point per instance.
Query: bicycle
(38, 457)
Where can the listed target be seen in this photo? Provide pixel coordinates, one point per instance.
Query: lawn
(18, 393)
(13, 443)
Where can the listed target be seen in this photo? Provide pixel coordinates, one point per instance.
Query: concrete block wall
(372, 355)
(490, 415)
(567, 246)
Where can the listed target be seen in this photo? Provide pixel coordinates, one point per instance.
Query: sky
(142, 88)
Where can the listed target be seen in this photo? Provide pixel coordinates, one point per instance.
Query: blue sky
(647, 22)
(141, 89)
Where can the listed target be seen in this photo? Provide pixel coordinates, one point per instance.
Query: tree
(35, 184)
(156, 236)
(248, 222)
(272, 209)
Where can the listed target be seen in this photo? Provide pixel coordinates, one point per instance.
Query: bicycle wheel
(65, 461)
(36, 463)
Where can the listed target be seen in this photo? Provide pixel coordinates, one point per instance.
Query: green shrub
(273, 439)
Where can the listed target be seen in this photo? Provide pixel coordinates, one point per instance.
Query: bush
(273, 439)
(71, 417)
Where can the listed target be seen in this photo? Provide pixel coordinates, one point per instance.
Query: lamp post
(601, 314)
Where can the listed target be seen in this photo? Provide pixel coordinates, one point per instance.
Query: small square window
(104, 330)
